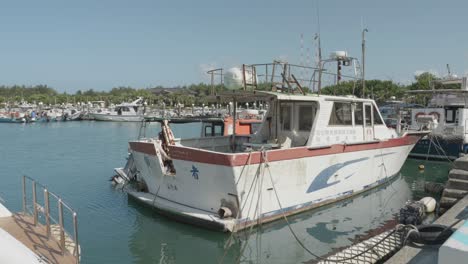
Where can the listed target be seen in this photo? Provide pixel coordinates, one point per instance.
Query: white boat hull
(251, 184)
(116, 118)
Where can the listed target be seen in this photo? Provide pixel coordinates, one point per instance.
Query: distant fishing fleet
(135, 111)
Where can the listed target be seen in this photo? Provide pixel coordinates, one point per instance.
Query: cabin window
(450, 115)
(341, 114)
(358, 114)
(208, 131)
(368, 109)
(254, 127)
(377, 119)
(305, 117)
(285, 116)
(218, 130)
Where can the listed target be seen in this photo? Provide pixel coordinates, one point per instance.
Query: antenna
(301, 61)
(319, 50)
(364, 63)
(318, 17)
(448, 70)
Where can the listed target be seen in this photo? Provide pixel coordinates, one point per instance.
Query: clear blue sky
(100, 44)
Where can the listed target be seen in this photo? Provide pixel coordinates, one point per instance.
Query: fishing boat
(310, 150)
(125, 112)
(446, 115)
(33, 235)
(12, 117)
(72, 114)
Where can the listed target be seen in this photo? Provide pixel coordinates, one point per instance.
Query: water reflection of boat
(326, 228)
(171, 242)
(322, 230)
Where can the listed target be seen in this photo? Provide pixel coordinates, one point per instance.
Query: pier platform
(21, 227)
(428, 254)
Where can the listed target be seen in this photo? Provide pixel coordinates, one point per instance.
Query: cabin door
(368, 122)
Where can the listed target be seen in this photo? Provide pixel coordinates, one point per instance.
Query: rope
(442, 150)
(302, 244)
(266, 165)
(256, 211)
(254, 181)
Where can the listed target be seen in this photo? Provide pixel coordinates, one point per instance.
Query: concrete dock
(457, 184)
(428, 254)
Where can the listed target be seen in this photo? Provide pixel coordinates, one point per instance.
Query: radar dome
(338, 55)
(233, 79)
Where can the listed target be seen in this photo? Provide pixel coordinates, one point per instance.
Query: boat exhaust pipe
(224, 212)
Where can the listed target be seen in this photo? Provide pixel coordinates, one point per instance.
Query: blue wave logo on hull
(321, 181)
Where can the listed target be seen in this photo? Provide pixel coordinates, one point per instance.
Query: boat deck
(35, 238)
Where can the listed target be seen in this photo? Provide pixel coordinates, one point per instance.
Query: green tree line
(384, 90)
(380, 90)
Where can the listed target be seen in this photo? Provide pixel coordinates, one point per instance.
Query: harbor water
(76, 160)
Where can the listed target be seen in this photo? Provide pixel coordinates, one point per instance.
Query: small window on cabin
(368, 115)
(125, 109)
(341, 114)
(377, 119)
(218, 130)
(358, 114)
(305, 117)
(285, 116)
(208, 131)
(255, 127)
(450, 116)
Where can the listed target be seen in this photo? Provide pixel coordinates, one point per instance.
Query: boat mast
(364, 63)
(319, 84)
(234, 120)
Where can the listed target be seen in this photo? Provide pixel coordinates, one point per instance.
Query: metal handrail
(46, 211)
(276, 73)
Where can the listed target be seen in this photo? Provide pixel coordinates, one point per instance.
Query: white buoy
(430, 204)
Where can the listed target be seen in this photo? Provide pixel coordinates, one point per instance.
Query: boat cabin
(128, 108)
(225, 127)
(313, 120)
(306, 121)
(447, 110)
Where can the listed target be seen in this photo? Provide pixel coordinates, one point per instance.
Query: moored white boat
(126, 112)
(446, 116)
(311, 150)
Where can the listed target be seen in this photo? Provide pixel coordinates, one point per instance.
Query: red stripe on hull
(143, 147)
(240, 159)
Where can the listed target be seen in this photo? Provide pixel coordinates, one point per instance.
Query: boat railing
(54, 218)
(278, 74)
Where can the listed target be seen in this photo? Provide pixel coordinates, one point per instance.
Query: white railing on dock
(52, 226)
